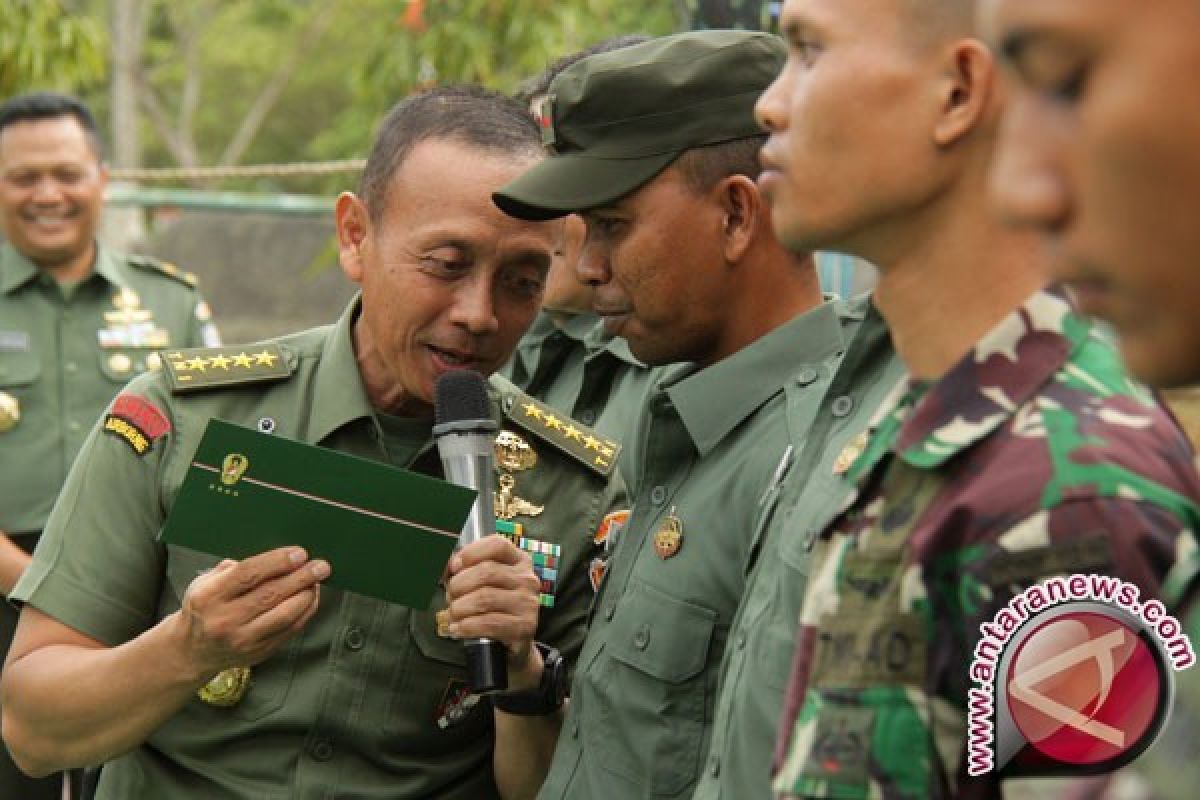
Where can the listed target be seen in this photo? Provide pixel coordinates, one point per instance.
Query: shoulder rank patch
(163, 268)
(201, 368)
(594, 451)
(136, 421)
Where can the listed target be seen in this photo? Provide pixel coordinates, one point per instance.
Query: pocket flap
(661, 635)
(19, 369)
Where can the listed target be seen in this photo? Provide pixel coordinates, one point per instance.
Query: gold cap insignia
(10, 412)
(227, 688)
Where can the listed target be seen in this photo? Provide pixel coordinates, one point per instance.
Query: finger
(490, 600)
(516, 632)
(269, 630)
(270, 594)
(491, 574)
(248, 574)
(490, 548)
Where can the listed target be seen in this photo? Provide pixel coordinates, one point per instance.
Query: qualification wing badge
(513, 454)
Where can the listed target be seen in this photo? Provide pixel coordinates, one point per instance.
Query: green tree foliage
(43, 46)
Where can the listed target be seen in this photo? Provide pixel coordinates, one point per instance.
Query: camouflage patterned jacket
(1035, 455)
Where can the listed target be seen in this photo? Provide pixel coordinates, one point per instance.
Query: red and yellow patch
(611, 523)
(137, 422)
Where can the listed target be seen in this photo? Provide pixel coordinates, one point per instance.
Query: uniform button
(609, 612)
(574, 730)
(322, 750)
(714, 765)
(842, 406)
(740, 642)
(658, 495)
(642, 638)
(354, 639)
(508, 402)
(71, 367)
(587, 417)
(806, 376)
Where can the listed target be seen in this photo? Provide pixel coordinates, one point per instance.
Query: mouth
(446, 359)
(613, 318)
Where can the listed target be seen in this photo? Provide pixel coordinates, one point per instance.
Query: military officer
(567, 358)
(1016, 448)
(193, 677)
(77, 321)
(686, 268)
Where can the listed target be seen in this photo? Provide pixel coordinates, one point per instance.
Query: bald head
(934, 21)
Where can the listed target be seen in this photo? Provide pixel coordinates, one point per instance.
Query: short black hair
(541, 84)
(468, 114)
(51, 105)
(703, 167)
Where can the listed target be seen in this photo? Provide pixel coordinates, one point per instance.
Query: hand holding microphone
(495, 579)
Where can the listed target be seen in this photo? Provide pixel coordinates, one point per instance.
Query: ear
(741, 213)
(966, 91)
(353, 227)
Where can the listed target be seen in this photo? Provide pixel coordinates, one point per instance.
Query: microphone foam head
(460, 395)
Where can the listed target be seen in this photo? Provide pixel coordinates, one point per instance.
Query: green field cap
(615, 120)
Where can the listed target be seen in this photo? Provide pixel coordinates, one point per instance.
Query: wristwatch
(547, 697)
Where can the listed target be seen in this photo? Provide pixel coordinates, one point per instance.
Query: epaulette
(200, 368)
(597, 453)
(163, 268)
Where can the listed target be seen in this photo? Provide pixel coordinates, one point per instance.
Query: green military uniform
(64, 353)
(755, 669)
(369, 701)
(589, 374)
(710, 450)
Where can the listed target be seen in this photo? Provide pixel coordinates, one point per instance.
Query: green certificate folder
(385, 531)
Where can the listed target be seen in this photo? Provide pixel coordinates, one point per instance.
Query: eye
(446, 262)
(805, 51)
(604, 227)
(1069, 89)
(525, 283)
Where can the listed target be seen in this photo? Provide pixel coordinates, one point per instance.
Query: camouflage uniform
(1036, 442)
(581, 370)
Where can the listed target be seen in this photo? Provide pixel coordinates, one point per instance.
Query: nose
(475, 307)
(1029, 184)
(591, 268)
(771, 108)
(47, 190)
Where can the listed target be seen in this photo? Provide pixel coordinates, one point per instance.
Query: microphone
(465, 432)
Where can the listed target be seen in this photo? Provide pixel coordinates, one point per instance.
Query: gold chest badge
(850, 453)
(513, 454)
(227, 688)
(669, 536)
(10, 412)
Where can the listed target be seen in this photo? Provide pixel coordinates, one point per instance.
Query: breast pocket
(651, 691)
(270, 680)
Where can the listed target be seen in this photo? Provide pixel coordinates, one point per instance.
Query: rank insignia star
(211, 367)
(570, 437)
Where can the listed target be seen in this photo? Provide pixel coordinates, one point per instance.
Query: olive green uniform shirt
(757, 663)
(367, 702)
(709, 449)
(64, 354)
(585, 372)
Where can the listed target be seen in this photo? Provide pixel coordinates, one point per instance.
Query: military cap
(615, 120)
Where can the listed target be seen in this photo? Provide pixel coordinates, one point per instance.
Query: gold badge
(119, 363)
(669, 536)
(154, 362)
(233, 467)
(10, 412)
(129, 310)
(513, 454)
(227, 688)
(850, 453)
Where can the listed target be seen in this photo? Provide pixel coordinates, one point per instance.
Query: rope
(249, 171)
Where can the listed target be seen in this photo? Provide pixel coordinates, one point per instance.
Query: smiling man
(126, 648)
(656, 146)
(1017, 438)
(77, 321)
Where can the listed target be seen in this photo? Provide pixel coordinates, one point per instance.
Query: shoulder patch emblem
(163, 268)
(201, 368)
(137, 422)
(596, 452)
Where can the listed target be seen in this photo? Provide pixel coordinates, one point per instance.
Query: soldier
(1017, 446)
(656, 146)
(77, 321)
(567, 359)
(1097, 156)
(128, 651)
